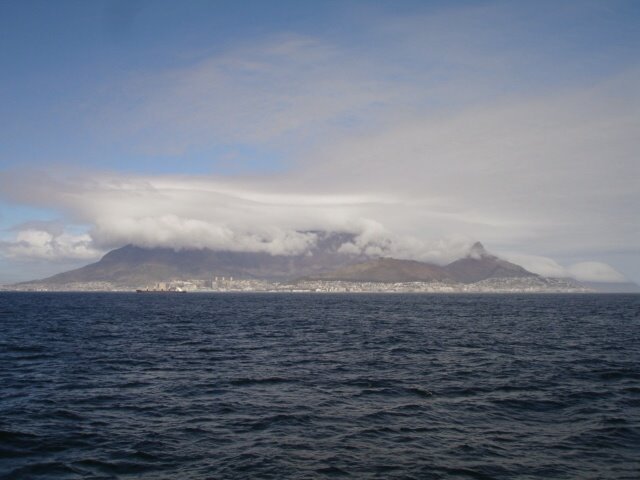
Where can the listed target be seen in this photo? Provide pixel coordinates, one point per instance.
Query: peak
(477, 251)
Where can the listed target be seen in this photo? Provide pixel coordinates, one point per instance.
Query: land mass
(326, 267)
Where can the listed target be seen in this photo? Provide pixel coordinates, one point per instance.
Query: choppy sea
(297, 386)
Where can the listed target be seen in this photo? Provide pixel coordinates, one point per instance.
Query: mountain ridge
(476, 266)
(480, 265)
(134, 267)
(386, 269)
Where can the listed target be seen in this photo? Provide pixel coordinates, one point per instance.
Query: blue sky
(362, 112)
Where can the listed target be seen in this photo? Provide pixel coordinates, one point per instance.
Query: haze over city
(421, 127)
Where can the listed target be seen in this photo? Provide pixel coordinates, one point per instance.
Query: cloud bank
(195, 213)
(43, 245)
(581, 271)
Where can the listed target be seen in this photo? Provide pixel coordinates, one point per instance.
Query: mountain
(136, 266)
(477, 266)
(387, 270)
(480, 265)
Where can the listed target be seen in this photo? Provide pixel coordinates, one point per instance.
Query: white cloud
(44, 245)
(410, 145)
(541, 265)
(583, 271)
(595, 272)
(182, 213)
(375, 240)
(189, 233)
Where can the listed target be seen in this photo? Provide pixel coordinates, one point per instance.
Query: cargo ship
(139, 290)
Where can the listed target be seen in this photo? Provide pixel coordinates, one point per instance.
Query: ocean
(313, 386)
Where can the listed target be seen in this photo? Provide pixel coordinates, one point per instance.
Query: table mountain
(138, 266)
(133, 266)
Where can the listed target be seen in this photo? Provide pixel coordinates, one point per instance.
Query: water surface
(241, 386)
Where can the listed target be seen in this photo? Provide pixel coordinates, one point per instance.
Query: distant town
(231, 284)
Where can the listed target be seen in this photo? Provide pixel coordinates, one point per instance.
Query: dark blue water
(319, 386)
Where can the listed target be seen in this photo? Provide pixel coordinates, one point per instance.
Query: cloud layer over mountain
(440, 137)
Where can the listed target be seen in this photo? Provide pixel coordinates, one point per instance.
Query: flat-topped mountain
(137, 266)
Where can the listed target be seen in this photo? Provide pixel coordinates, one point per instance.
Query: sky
(418, 126)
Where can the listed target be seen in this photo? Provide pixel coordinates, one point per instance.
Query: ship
(139, 290)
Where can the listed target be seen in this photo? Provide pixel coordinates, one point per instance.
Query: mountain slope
(477, 266)
(480, 265)
(387, 270)
(136, 266)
